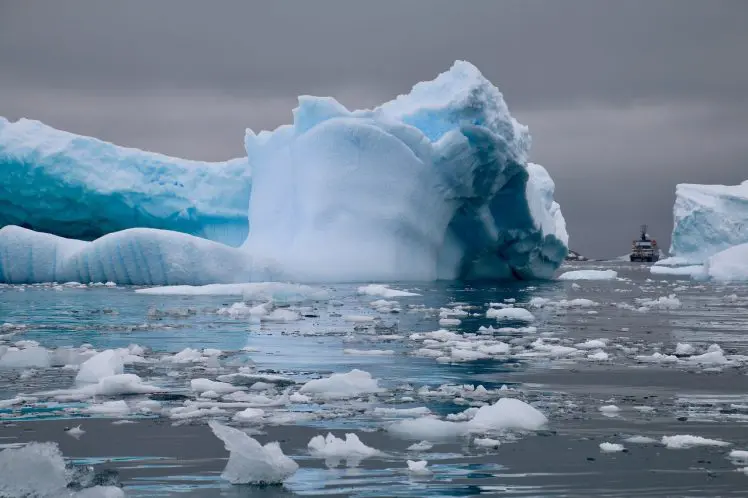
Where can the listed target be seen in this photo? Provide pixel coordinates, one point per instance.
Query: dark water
(160, 455)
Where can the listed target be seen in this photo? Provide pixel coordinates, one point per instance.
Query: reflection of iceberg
(434, 184)
(81, 187)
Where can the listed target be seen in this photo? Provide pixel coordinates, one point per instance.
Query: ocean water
(161, 446)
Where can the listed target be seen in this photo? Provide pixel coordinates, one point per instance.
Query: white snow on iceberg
(81, 187)
(434, 184)
(730, 265)
(708, 219)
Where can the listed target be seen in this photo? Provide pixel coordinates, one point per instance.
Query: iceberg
(434, 184)
(708, 219)
(83, 188)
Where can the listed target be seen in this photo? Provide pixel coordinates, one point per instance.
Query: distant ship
(644, 248)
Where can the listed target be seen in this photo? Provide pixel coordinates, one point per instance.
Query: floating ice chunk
(37, 470)
(334, 449)
(104, 364)
(120, 384)
(202, 385)
(402, 412)
(299, 398)
(109, 408)
(343, 385)
(187, 355)
(422, 446)
(589, 275)
(609, 410)
(281, 315)
(428, 429)
(640, 440)
(657, 357)
(713, 356)
(738, 457)
(486, 442)
(369, 352)
(277, 292)
(684, 349)
(518, 314)
(249, 415)
(670, 302)
(75, 432)
(359, 318)
(418, 467)
(384, 291)
(538, 302)
(249, 462)
(507, 414)
(30, 357)
(598, 356)
(685, 441)
(592, 344)
(611, 447)
(449, 322)
(21, 470)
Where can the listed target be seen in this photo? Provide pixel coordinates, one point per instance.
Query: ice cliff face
(708, 219)
(80, 187)
(434, 184)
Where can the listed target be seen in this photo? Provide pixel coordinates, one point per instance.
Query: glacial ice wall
(708, 219)
(81, 187)
(432, 185)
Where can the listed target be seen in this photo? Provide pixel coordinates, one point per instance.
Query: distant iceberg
(708, 219)
(710, 233)
(432, 185)
(80, 187)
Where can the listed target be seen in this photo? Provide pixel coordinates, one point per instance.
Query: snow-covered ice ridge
(711, 229)
(433, 184)
(708, 219)
(81, 187)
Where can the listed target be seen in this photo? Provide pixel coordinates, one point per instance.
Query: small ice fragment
(684, 349)
(611, 447)
(685, 441)
(343, 385)
(249, 461)
(383, 291)
(418, 467)
(75, 432)
(518, 314)
(609, 410)
(249, 415)
(640, 440)
(486, 442)
(334, 449)
(422, 446)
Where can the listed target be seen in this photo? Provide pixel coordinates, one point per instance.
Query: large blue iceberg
(432, 185)
(58, 182)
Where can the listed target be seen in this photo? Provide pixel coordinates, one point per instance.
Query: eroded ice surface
(433, 184)
(708, 219)
(91, 187)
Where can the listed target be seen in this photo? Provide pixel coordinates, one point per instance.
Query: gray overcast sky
(624, 99)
